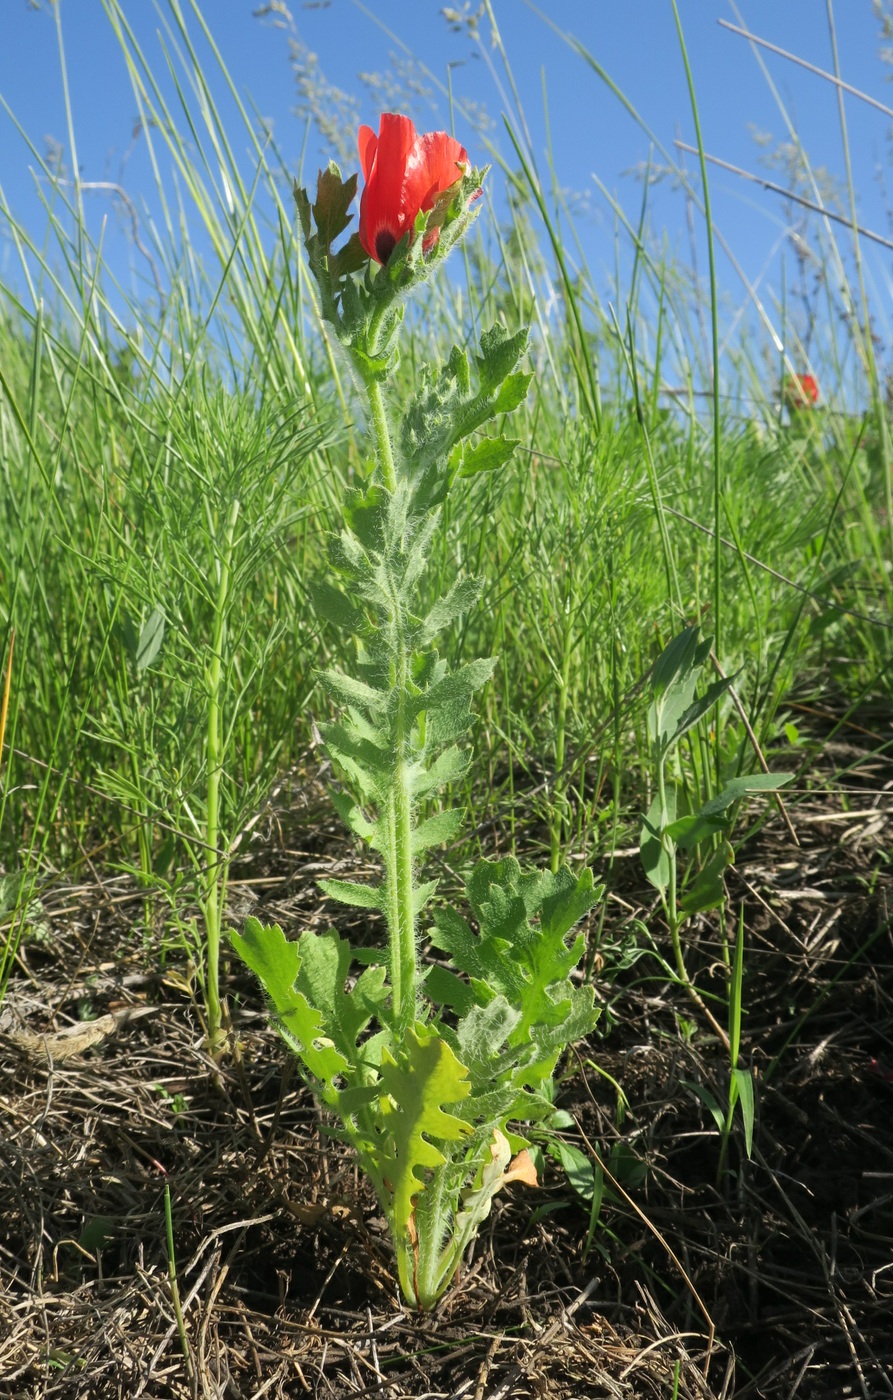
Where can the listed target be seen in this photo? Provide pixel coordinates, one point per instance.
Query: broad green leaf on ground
(325, 965)
(276, 963)
(421, 1080)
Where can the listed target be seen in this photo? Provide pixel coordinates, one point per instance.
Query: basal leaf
(454, 936)
(579, 1016)
(420, 1079)
(521, 952)
(565, 902)
(276, 963)
(548, 993)
(446, 989)
(499, 1169)
(325, 965)
(482, 1033)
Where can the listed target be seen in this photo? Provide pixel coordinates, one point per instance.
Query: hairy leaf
(353, 692)
(448, 767)
(437, 830)
(330, 603)
(488, 455)
(520, 953)
(500, 353)
(348, 892)
(322, 977)
(334, 197)
(458, 600)
(457, 685)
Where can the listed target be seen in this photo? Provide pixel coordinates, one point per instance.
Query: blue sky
(591, 134)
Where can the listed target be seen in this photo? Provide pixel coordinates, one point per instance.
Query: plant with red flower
(801, 391)
(423, 1075)
(405, 173)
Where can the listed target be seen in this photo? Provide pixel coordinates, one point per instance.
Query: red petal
(404, 173)
(368, 144)
(383, 212)
(434, 166)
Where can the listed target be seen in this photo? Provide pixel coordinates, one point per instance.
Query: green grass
(129, 424)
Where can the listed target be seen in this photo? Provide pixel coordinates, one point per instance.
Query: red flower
(404, 173)
(801, 391)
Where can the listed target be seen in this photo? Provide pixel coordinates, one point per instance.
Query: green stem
(560, 789)
(215, 879)
(382, 433)
(714, 337)
(175, 1287)
(675, 922)
(670, 903)
(399, 872)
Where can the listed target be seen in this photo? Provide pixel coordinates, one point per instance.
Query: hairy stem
(399, 873)
(382, 433)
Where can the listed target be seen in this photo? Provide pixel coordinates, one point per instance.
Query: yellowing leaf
(424, 1076)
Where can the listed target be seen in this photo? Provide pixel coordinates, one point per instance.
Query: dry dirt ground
(774, 1279)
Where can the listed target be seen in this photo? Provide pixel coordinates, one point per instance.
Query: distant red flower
(404, 173)
(801, 391)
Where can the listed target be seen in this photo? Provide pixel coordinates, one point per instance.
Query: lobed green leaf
(488, 455)
(421, 1079)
